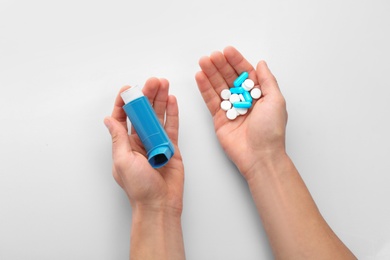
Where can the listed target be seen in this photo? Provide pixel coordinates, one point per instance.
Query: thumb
(120, 139)
(267, 80)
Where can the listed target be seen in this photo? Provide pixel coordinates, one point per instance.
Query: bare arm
(156, 195)
(294, 225)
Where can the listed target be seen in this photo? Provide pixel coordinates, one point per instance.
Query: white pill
(225, 94)
(241, 111)
(256, 93)
(231, 113)
(248, 84)
(226, 105)
(241, 97)
(234, 98)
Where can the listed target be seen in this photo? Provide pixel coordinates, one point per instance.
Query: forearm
(294, 225)
(156, 234)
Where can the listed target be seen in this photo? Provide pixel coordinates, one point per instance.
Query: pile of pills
(238, 99)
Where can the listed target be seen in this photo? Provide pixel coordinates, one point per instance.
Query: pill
(234, 98)
(255, 93)
(240, 79)
(226, 105)
(242, 97)
(225, 94)
(238, 90)
(242, 104)
(241, 111)
(247, 96)
(231, 113)
(248, 84)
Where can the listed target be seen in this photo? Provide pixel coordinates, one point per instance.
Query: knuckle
(115, 138)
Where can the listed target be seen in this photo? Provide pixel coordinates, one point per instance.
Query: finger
(212, 73)
(161, 99)
(172, 122)
(120, 140)
(210, 97)
(239, 63)
(224, 68)
(150, 89)
(267, 80)
(118, 113)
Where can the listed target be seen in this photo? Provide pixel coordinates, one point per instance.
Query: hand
(146, 187)
(258, 135)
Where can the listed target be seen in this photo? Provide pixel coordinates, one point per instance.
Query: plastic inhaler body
(159, 149)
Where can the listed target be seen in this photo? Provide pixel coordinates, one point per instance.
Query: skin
(293, 223)
(155, 195)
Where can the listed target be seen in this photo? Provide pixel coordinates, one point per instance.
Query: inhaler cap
(131, 94)
(159, 156)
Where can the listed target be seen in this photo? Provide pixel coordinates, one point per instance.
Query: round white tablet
(226, 105)
(231, 113)
(234, 98)
(248, 84)
(241, 111)
(225, 94)
(256, 93)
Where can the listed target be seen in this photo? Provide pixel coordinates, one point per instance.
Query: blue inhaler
(159, 149)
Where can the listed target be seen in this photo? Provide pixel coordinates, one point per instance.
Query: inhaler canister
(159, 149)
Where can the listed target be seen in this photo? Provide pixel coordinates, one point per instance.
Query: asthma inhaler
(159, 149)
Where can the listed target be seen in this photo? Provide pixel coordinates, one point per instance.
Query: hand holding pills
(247, 106)
(250, 117)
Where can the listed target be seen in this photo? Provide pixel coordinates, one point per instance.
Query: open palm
(262, 129)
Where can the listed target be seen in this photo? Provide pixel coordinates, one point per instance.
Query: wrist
(156, 233)
(156, 211)
(263, 164)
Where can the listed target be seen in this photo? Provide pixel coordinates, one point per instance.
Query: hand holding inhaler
(133, 160)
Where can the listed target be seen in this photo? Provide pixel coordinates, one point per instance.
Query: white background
(63, 62)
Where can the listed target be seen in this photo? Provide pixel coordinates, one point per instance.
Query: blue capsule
(236, 90)
(237, 83)
(247, 96)
(242, 104)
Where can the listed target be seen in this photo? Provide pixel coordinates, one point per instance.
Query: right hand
(260, 134)
(147, 188)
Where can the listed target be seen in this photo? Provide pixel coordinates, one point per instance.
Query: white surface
(63, 63)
